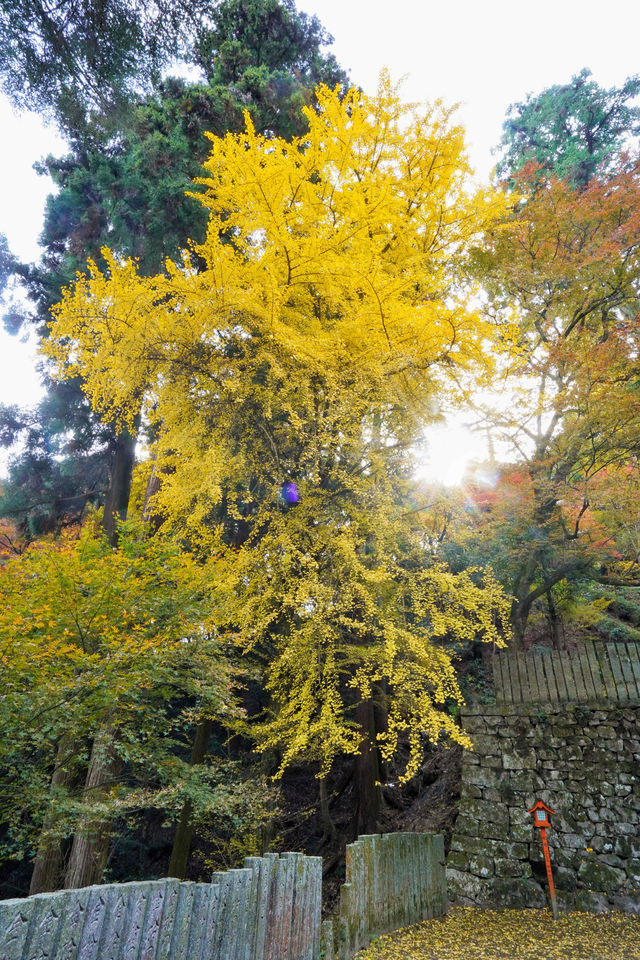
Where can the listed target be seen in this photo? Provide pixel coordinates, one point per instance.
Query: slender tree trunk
(381, 723)
(521, 605)
(153, 485)
(47, 866)
(184, 830)
(367, 774)
(90, 846)
(329, 831)
(553, 619)
(116, 501)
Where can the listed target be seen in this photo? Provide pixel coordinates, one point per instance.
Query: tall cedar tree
(570, 131)
(130, 193)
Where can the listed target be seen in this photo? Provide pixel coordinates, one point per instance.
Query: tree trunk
(329, 831)
(153, 485)
(381, 722)
(553, 619)
(184, 830)
(116, 501)
(367, 774)
(47, 866)
(90, 846)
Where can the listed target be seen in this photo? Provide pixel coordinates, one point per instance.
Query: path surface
(469, 934)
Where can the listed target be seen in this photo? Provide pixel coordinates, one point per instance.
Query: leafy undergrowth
(470, 934)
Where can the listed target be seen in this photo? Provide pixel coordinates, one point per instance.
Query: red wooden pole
(547, 861)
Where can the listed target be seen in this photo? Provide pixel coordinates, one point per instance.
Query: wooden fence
(393, 880)
(269, 910)
(595, 672)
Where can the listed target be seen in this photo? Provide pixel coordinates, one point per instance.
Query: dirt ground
(470, 934)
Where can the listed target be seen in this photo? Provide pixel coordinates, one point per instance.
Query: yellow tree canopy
(303, 341)
(332, 258)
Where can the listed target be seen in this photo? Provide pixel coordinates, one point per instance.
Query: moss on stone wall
(583, 761)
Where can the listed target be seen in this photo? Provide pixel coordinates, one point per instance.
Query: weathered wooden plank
(532, 674)
(44, 926)
(169, 915)
(576, 666)
(317, 907)
(212, 923)
(200, 911)
(150, 934)
(589, 684)
(514, 676)
(556, 667)
(498, 681)
(258, 866)
(113, 931)
(605, 670)
(500, 664)
(301, 893)
(633, 650)
(182, 925)
(541, 680)
(595, 671)
(529, 688)
(627, 671)
(95, 916)
(616, 669)
(296, 860)
(15, 919)
(507, 672)
(521, 667)
(547, 665)
(569, 678)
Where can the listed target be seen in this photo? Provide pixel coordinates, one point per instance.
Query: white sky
(484, 54)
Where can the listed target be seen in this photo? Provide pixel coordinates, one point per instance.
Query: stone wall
(583, 761)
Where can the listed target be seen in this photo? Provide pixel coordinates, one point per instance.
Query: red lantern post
(541, 819)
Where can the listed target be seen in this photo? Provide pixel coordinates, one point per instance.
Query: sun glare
(446, 453)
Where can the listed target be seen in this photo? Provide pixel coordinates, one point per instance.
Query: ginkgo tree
(308, 352)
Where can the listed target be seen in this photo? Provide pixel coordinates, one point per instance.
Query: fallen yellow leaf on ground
(465, 933)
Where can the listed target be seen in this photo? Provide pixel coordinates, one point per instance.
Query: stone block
(481, 866)
(487, 812)
(627, 903)
(591, 901)
(467, 826)
(511, 868)
(565, 878)
(463, 887)
(519, 760)
(516, 893)
(633, 869)
(485, 745)
(458, 860)
(480, 776)
(601, 878)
